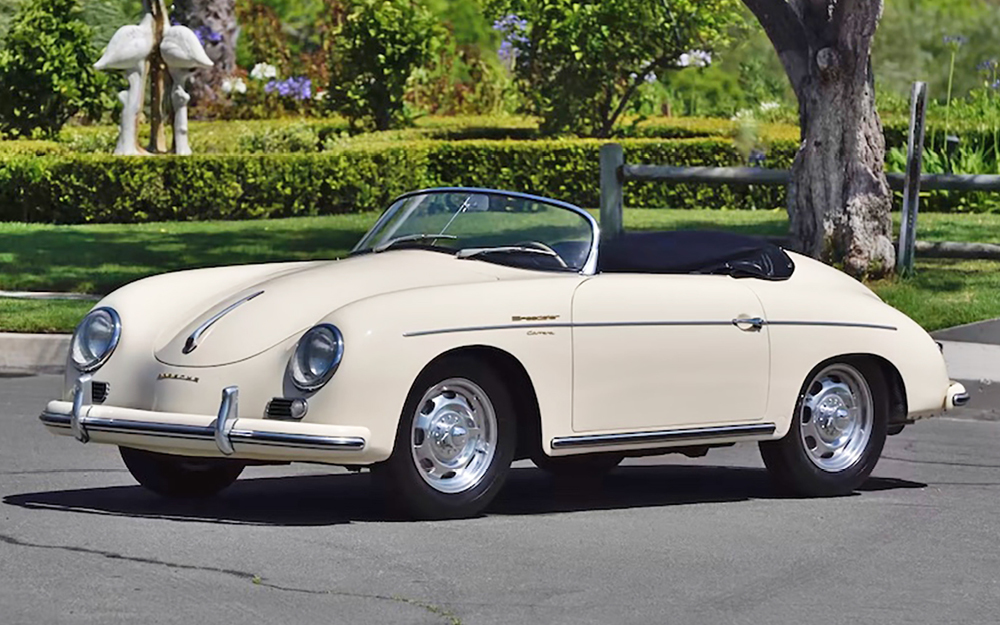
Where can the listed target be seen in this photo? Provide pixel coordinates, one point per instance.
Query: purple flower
(988, 65)
(506, 50)
(207, 35)
(996, 85)
(298, 87)
(514, 29)
(955, 40)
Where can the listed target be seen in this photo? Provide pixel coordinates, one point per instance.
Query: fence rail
(780, 177)
(615, 171)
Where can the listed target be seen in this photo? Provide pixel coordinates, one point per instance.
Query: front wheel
(180, 476)
(454, 444)
(837, 432)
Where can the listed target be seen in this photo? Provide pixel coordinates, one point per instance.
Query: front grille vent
(100, 391)
(286, 409)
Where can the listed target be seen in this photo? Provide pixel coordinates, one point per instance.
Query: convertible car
(470, 328)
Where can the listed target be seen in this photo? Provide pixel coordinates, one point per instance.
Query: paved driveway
(662, 540)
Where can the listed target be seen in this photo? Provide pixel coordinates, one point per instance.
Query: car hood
(250, 319)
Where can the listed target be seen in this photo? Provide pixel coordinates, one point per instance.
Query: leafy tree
(581, 61)
(379, 46)
(46, 73)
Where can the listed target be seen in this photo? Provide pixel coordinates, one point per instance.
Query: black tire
(793, 464)
(180, 476)
(407, 487)
(585, 466)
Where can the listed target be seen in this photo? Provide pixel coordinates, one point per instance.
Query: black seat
(694, 251)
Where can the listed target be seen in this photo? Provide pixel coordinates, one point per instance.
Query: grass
(100, 258)
(41, 316)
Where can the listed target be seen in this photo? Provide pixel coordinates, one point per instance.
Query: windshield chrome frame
(589, 266)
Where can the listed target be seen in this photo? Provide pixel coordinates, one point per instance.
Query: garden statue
(154, 43)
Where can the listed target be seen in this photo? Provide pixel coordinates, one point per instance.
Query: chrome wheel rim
(454, 435)
(835, 419)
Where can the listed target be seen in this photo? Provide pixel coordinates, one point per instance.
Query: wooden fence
(615, 171)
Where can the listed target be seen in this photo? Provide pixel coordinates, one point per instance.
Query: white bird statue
(128, 50)
(183, 54)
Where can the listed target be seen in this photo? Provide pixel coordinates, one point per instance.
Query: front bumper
(225, 434)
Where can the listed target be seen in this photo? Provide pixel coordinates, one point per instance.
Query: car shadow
(313, 500)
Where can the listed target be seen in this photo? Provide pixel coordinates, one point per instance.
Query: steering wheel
(547, 248)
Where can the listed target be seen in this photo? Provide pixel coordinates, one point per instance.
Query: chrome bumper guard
(223, 430)
(957, 396)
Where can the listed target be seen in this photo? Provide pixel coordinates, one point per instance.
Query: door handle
(749, 324)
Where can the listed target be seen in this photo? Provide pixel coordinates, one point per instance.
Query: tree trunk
(838, 199)
(214, 21)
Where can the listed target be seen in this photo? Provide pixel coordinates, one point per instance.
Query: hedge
(101, 188)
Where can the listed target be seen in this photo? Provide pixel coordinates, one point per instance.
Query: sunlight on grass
(100, 258)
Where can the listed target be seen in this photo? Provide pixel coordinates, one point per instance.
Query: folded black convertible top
(694, 251)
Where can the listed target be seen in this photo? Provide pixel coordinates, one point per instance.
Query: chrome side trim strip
(588, 324)
(833, 324)
(662, 436)
(192, 341)
(960, 399)
(207, 433)
(626, 324)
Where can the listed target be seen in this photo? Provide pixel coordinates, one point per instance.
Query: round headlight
(317, 356)
(95, 338)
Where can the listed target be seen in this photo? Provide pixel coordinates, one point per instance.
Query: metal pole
(911, 185)
(612, 197)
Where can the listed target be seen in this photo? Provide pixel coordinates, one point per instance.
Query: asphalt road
(664, 540)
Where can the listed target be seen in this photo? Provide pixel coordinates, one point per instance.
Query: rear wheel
(837, 432)
(180, 476)
(454, 444)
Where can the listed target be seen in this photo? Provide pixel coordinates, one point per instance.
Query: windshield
(494, 226)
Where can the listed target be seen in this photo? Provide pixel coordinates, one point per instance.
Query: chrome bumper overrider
(223, 430)
(957, 396)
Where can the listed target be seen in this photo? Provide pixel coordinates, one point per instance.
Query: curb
(33, 353)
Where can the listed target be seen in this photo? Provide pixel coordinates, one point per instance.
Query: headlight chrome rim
(116, 332)
(315, 381)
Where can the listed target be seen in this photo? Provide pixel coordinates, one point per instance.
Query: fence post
(911, 187)
(612, 200)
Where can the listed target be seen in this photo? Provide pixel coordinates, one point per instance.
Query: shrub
(377, 49)
(46, 73)
(103, 188)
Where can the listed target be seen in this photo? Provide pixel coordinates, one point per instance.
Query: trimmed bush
(91, 188)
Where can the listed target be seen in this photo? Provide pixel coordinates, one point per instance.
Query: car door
(663, 351)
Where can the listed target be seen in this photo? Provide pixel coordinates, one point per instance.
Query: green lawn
(100, 258)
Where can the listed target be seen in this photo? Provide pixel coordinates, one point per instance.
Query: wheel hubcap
(454, 433)
(835, 421)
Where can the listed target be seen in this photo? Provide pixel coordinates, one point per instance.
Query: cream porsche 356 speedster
(472, 327)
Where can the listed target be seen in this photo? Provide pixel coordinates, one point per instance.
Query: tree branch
(788, 35)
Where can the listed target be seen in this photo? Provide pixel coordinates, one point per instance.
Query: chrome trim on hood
(192, 341)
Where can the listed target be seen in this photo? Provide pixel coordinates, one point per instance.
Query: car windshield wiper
(472, 252)
(411, 237)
